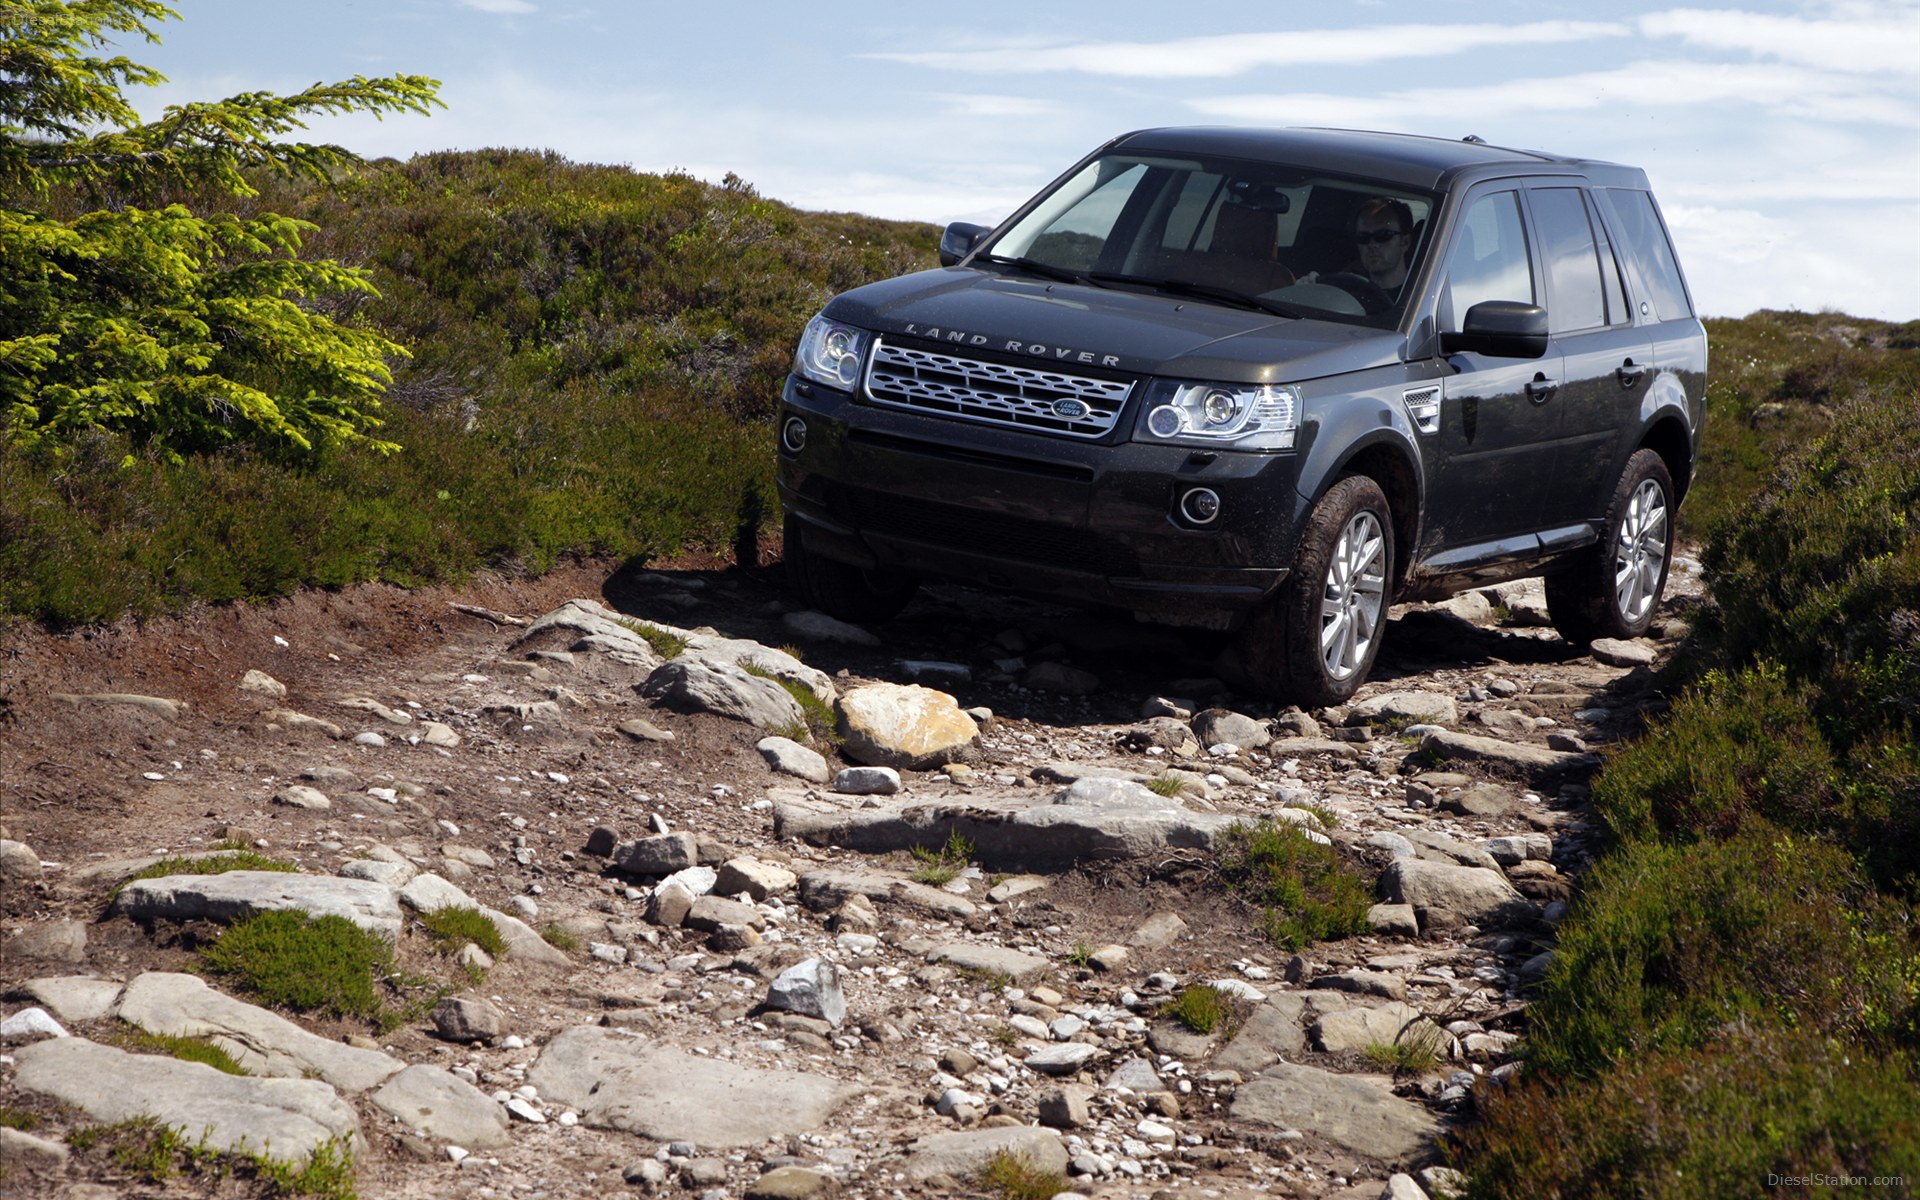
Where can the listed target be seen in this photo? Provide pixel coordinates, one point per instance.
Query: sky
(1782, 138)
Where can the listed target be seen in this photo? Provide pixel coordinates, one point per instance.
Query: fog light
(793, 435)
(1201, 505)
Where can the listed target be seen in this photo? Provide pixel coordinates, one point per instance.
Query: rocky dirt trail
(722, 978)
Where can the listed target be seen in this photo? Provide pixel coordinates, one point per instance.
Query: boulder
(904, 726)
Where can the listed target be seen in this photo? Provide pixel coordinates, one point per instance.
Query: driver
(1383, 231)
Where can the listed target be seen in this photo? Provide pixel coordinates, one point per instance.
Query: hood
(1074, 325)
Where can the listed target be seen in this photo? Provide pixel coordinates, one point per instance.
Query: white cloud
(1874, 42)
(1797, 92)
(500, 6)
(966, 104)
(1740, 260)
(1233, 54)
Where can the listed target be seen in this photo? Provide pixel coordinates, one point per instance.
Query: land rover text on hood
(1266, 382)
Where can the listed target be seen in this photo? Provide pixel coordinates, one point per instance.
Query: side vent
(1423, 406)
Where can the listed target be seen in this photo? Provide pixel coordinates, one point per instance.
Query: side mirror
(1502, 329)
(958, 240)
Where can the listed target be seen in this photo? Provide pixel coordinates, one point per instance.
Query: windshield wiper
(1204, 291)
(1043, 269)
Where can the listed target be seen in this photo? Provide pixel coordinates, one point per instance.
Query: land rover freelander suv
(1267, 382)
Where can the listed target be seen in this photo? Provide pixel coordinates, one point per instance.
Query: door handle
(1628, 374)
(1540, 389)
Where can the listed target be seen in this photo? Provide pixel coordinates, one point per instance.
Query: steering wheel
(1372, 297)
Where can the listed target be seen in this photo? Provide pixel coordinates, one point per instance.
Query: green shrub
(560, 937)
(1305, 894)
(1012, 1176)
(1711, 1120)
(325, 965)
(942, 866)
(1670, 944)
(1203, 1008)
(452, 927)
(1729, 750)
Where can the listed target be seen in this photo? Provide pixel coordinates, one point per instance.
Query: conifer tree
(183, 327)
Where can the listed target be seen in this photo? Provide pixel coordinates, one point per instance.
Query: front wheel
(841, 589)
(1315, 642)
(1613, 590)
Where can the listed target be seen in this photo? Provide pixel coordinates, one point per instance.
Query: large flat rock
(440, 1104)
(964, 1155)
(1009, 831)
(286, 1118)
(1353, 1112)
(1532, 761)
(230, 896)
(264, 1043)
(621, 1082)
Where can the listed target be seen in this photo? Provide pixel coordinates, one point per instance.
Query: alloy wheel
(1640, 552)
(1355, 589)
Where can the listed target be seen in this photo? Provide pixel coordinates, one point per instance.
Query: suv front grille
(1053, 402)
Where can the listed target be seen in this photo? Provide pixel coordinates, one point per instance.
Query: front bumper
(1093, 521)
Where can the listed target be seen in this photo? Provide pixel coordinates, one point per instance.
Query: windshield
(1257, 235)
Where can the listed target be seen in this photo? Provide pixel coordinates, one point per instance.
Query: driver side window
(1489, 259)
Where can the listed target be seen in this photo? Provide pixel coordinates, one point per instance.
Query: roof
(1389, 157)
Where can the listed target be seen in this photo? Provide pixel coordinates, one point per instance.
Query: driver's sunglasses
(1377, 235)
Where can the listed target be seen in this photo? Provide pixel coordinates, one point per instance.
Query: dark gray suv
(1267, 382)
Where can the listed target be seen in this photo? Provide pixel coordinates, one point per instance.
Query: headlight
(1244, 416)
(831, 353)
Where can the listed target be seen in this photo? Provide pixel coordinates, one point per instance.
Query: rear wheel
(1315, 642)
(1615, 588)
(841, 589)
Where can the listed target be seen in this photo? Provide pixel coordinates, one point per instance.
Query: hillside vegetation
(595, 354)
(1735, 1000)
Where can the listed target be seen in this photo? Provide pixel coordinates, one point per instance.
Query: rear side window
(1573, 268)
(1644, 241)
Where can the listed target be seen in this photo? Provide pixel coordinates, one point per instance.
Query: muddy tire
(1614, 589)
(840, 589)
(1316, 640)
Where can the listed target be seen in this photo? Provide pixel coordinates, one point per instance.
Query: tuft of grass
(19, 1118)
(943, 866)
(1328, 818)
(1015, 1177)
(664, 643)
(1166, 785)
(1081, 954)
(1204, 1008)
(1004, 1035)
(186, 1049)
(560, 937)
(230, 859)
(1305, 893)
(1416, 1052)
(156, 1153)
(817, 718)
(453, 927)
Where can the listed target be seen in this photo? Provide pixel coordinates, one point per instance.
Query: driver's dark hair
(1383, 205)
